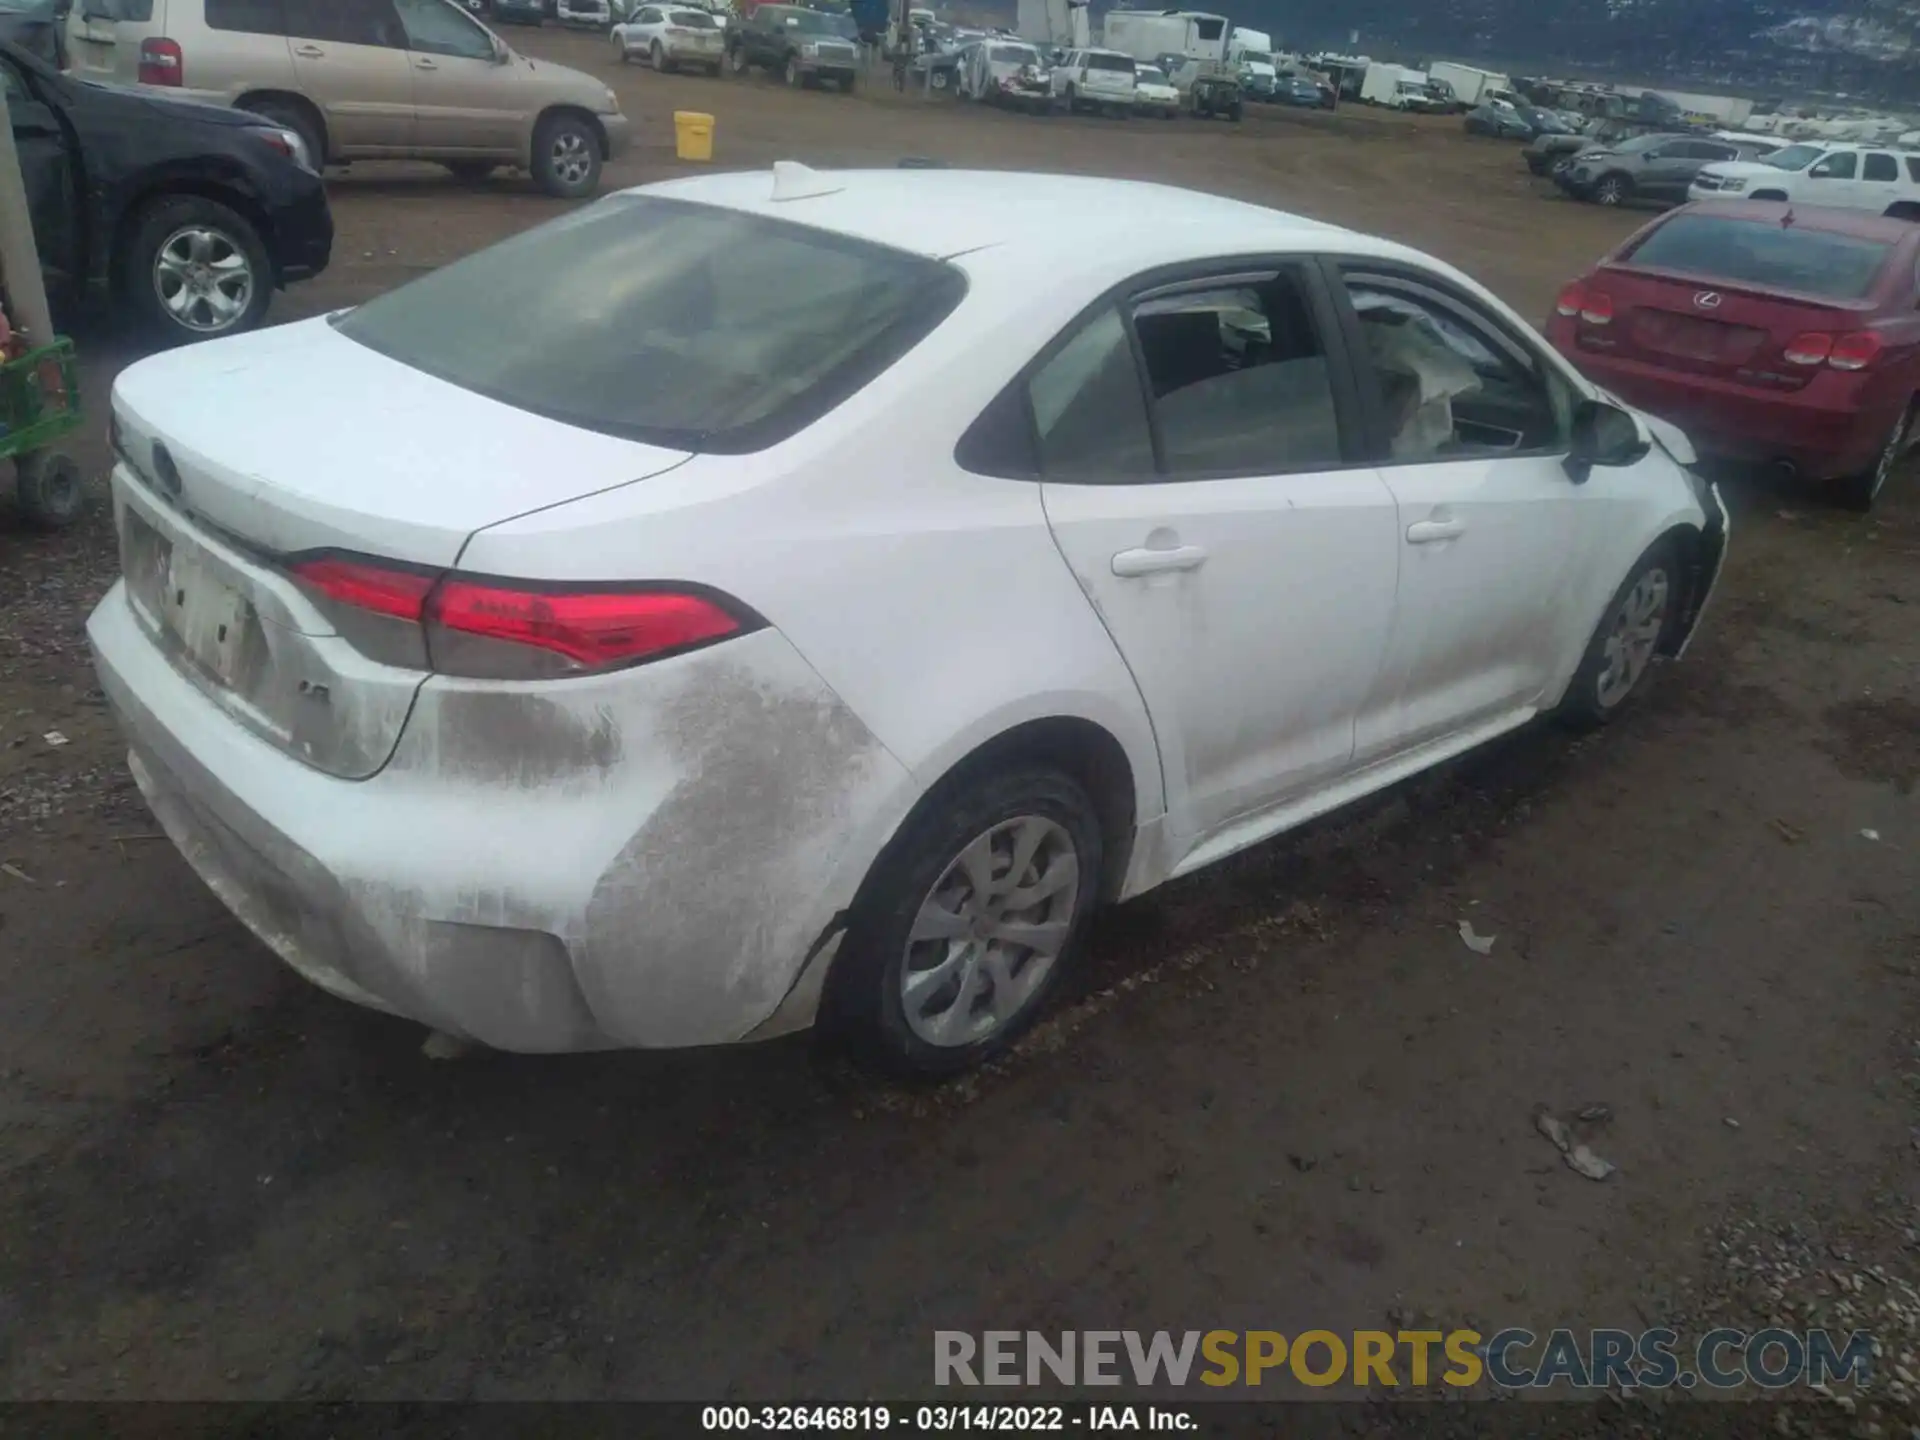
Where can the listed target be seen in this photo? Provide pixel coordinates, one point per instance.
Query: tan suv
(363, 80)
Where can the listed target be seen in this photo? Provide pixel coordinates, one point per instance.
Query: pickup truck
(1851, 177)
(804, 47)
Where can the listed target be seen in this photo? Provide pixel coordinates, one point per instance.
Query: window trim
(1340, 269)
(1162, 282)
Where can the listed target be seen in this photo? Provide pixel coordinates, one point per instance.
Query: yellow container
(692, 135)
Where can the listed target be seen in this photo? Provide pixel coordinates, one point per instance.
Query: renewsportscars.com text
(1513, 1359)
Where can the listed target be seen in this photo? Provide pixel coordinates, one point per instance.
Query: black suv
(806, 47)
(191, 214)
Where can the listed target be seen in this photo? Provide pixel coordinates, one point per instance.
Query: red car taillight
(486, 628)
(162, 62)
(1589, 304)
(1841, 352)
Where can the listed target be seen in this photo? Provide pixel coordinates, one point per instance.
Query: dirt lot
(1287, 1094)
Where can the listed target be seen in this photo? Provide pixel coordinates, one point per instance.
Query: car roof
(947, 213)
(1827, 219)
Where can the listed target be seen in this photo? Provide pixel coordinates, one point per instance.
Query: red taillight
(1854, 352)
(1570, 301)
(1596, 308)
(592, 628)
(378, 588)
(1842, 352)
(577, 628)
(162, 63)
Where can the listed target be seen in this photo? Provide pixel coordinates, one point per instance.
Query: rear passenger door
(1834, 179)
(1197, 444)
(1880, 185)
(350, 59)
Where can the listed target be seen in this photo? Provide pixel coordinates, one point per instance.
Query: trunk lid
(236, 454)
(1698, 326)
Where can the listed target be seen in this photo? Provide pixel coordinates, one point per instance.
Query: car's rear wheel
(566, 157)
(737, 59)
(659, 56)
(1612, 190)
(792, 72)
(619, 48)
(1617, 658)
(962, 930)
(1861, 490)
(290, 115)
(195, 269)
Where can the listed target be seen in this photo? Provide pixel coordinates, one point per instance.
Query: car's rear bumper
(552, 871)
(1824, 431)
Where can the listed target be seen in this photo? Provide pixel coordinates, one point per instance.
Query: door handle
(1130, 563)
(425, 65)
(1425, 532)
(310, 52)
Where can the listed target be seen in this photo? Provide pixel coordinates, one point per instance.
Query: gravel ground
(1283, 1095)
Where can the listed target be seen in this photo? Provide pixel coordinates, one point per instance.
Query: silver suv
(363, 80)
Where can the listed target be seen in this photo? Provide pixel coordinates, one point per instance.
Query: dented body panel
(639, 859)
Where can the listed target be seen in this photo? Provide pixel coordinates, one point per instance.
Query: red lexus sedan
(1783, 334)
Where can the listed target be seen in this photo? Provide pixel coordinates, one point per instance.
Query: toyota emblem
(1708, 299)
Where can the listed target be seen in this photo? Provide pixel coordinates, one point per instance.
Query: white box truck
(1382, 83)
(1471, 86)
(1149, 34)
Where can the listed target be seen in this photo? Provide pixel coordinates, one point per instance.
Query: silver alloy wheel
(203, 278)
(572, 161)
(1610, 191)
(990, 931)
(619, 48)
(1890, 456)
(659, 57)
(1634, 634)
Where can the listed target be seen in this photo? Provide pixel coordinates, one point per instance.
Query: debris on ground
(1578, 1157)
(17, 873)
(54, 738)
(442, 1046)
(1598, 1114)
(1786, 832)
(1479, 944)
(1869, 834)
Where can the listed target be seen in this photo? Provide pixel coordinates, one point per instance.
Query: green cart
(40, 403)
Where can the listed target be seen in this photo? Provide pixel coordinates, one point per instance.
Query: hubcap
(203, 278)
(989, 932)
(572, 161)
(1636, 630)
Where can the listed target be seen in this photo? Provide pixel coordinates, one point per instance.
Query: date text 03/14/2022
(937, 1419)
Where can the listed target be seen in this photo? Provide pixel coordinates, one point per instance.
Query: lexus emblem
(1708, 299)
(165, 471)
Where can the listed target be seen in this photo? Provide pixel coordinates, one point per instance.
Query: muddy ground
(1286, 1095)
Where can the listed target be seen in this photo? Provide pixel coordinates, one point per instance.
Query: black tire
(661, 63)
(1073, 101)
(566, 156)
(1612, 190)
(939, 81)
(737, 59)
(791, 73)
(303, 122)
(160, 225)
(1592, 699)
(866, 1005)
(1903, 210)
(846, 84)
(1859, 491)
(49, 490)
(471, 172)
(713, 71)
(1234, 112)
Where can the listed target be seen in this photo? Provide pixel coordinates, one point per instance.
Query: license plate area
(213, 622)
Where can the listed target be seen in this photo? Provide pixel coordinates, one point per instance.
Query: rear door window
(347, 22)
(1089, 413)
(1880, 167)
(252, 17)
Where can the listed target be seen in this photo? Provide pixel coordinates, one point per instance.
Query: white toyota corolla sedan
(778, 597)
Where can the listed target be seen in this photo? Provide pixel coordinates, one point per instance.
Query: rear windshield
(681, 325)
(693, 20)
(1749, 252)
(1110, 62)
(1147, 75)
(1014, 55)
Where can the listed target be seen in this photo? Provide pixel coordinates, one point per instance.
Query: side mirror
(1603, 435)
(501, 54)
